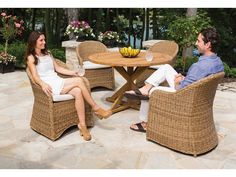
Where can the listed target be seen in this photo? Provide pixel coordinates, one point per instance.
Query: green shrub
(17, 49)
(233, 72)
(227, 69)
(179, 65)
(229, 72)
(58, 53)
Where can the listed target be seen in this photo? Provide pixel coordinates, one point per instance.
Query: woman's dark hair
(30, 49)
(211, 35)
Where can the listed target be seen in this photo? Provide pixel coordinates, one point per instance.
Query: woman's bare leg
(80, 108)
(78, 82)
(79, 104)
(71, 83)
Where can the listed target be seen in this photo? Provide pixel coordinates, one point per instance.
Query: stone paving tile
(114, 145)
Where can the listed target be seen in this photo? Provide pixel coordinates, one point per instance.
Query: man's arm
(178, 78)
(194, 74)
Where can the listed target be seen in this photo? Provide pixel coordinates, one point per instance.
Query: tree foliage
(160, 23)
(184, 30)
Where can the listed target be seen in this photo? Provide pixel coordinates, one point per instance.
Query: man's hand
(47, 89)
(178, 78)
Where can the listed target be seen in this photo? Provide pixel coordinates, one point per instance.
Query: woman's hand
(76, 74)
(47, 89)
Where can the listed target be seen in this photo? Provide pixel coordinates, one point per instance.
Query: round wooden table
(130, 69)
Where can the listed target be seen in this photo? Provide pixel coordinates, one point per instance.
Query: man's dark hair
(211, 35)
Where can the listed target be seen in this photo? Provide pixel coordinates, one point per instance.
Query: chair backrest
(30, 76)
(168, 47)
(203, 91)
(87, 48)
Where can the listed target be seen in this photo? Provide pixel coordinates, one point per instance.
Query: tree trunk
(47, 26)
(72, 14)
(90, 16)
(57, 35)
(130, 26)
(33, 18)
(134, 44)
(108, 19)
(154, 23)
(99, 27)
(188, 52)
(6, 46)
(191, 12)
(147, 25)
(143, 28)
(117, 25)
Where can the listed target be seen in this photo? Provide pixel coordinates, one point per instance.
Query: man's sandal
(137, 95)
(140, 128)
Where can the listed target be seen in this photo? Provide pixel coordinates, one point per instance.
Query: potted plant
(79, 30)
(109, 38)
(10, 27)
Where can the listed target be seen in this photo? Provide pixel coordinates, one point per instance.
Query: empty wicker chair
(51, 118)
(165, 46)
(98, 75)
(183, 120)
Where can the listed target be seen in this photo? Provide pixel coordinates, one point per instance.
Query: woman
(42, 67)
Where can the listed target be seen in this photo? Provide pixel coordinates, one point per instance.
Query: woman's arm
(45, 87)
(62, 70)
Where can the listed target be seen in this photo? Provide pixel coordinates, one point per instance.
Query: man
(208, 63)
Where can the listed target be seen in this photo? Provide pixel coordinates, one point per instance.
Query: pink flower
(3, 14)
(17, 25)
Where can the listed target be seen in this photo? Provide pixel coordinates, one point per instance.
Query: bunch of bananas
(129, 52)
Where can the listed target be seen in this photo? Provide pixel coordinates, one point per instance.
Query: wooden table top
(116, 59)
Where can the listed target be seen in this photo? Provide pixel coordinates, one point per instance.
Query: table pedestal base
(130, 75)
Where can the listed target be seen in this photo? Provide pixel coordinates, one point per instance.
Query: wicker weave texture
(166, 47)
(101, 77)
(183, 120)
(50, 118)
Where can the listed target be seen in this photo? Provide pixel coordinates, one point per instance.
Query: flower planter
(7, 67)
(109, 44)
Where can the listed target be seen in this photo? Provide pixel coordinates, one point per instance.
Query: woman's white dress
(45, 69)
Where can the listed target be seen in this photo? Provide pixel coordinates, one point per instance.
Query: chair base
(189, 147)
(101, 78)
(53, 123)
(183, 152)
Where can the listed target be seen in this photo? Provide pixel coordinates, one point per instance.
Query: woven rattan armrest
(39, 93)
(62, 64)
(180, 100)
(80, 59)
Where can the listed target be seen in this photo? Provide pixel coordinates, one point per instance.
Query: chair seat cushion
(155, 66)
(64, 97)
(90, 65)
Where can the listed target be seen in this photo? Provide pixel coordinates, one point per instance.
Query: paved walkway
(114, 145)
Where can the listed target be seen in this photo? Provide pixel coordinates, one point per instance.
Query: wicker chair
(51, 118)
(183, 120)
(98, 75)
(165, 46)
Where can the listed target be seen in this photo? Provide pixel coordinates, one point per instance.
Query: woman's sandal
(85, 133)
(102, 114)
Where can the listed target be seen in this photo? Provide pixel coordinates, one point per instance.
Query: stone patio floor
(114, 145)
